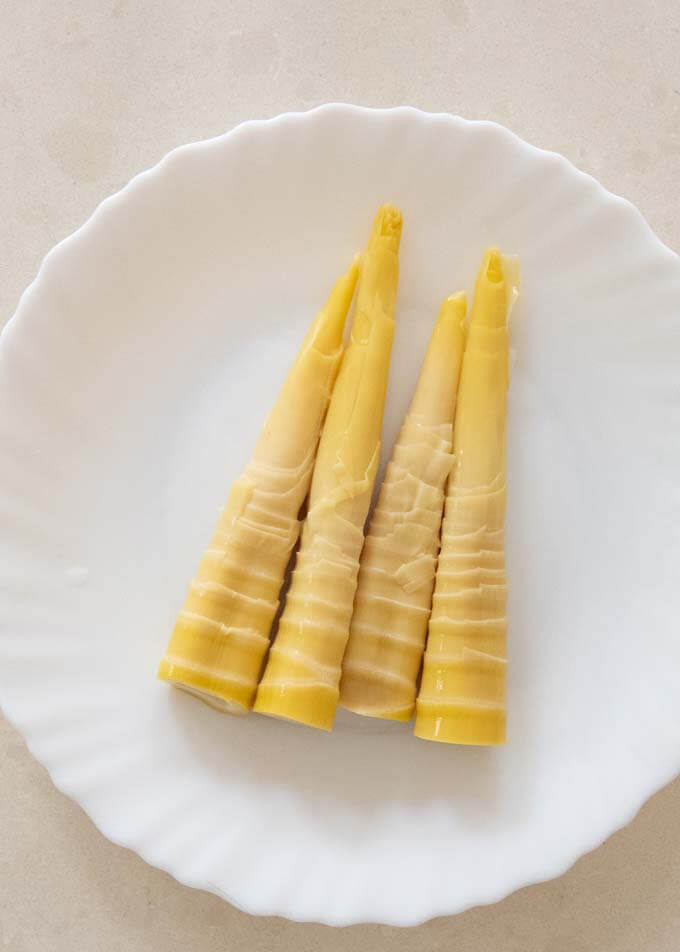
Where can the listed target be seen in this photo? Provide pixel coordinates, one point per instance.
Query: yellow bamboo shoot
(396, 576)
(462, 695)
(222, 633)
(302, 675)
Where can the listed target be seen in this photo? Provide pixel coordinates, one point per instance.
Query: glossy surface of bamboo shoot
(462, 694)
(302, 675)
(222, 633)
(396, 576)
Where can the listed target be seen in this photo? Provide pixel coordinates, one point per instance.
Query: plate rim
(551, 871)
(325, 108)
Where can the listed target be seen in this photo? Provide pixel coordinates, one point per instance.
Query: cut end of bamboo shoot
(461, 724)
(222, 694)
(216, 703)
(366, 694)
(312, 705)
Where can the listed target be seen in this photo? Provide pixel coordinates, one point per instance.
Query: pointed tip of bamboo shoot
(331, 323)
(379, 274)
(493, 265)
(454, 307)
(490, 304)
(387, 226)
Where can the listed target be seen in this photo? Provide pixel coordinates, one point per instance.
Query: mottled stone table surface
(93, 91)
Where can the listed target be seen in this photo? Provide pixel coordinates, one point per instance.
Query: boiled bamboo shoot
(222, 633)
(396, 576)
(462, 695)
(302, 675)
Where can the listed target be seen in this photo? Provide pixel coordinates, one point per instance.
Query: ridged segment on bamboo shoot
(222, 633)
(396, 576)
(462, 695)
(303, 671)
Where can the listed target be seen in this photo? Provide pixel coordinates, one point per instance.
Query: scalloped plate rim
(551, 871)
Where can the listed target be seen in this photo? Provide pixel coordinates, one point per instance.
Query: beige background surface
(91, 92)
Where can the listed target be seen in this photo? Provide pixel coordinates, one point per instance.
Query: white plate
(133, 380)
